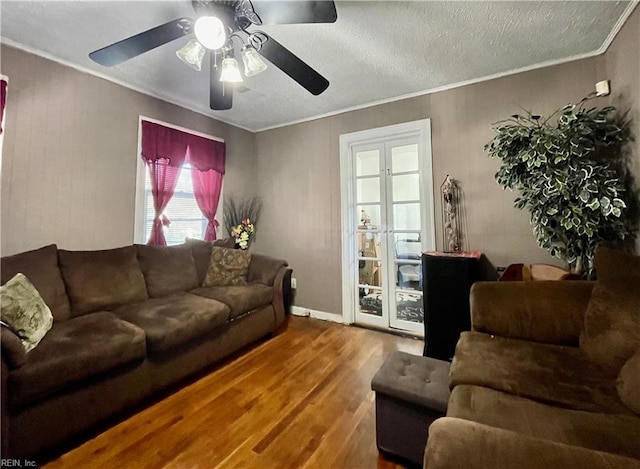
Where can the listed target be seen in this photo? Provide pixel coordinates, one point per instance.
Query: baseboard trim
(323, 315)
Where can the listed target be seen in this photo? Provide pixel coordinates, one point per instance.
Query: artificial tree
(567, 168)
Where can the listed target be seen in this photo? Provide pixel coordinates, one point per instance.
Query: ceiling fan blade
(292, 12)
(290, 64)
(133, 46)
(220, 93)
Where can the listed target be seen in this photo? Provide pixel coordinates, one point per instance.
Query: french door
(389, 197)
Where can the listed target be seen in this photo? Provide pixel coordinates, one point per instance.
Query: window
(185, 216)
(183, 211)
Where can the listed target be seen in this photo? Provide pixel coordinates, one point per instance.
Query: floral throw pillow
(24, 311)
(227, 267)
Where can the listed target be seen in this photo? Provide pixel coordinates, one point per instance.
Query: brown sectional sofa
(543, 380)
(128, 322)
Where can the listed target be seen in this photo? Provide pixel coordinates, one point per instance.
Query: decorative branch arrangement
(570, 177)
(235, 211)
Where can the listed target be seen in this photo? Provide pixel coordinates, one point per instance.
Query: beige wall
(69, 155)
(68, 169)
(298, 166)
(621, 65)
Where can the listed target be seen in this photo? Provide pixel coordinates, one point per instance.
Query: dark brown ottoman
(411, 392)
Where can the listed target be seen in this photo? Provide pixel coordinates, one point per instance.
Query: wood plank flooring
(299, 400)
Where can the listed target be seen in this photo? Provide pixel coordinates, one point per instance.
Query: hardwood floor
(299, 400)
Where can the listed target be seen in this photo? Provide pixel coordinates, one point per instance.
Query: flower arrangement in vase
(242, 233)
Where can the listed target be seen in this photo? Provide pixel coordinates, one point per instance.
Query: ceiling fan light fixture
(210, 32)
(253, 63)
(192, 54)
(230, 72)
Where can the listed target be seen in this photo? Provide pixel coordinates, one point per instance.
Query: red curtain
(3, 100)
(207, 159)
(206, 187)
(164, 177)
(160, 142)
(206, 154)
(165, 150)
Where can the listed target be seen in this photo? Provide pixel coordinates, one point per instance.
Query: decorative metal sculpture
(451, 239)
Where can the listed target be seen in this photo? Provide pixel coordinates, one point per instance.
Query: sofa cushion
(239, 298)
(24, 311)
(554, 374)
(174, 320)
(612, 322)
(459, 443)
(593, 430)
(102, 280)
(201, 251)
(74, 350)
(41, 267)
(629, 383)
(227, 267)
(167, 269)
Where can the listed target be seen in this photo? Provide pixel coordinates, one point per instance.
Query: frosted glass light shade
(192, 54)
(230, 72)
(210, 32)
(253, 64)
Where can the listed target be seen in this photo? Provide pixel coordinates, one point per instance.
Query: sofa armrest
(281, 294)
(455, 443)
(264, 269)
(13, 351)
(542, 311)
(4, 409)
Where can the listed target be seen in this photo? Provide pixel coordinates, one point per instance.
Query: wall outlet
(294, 282)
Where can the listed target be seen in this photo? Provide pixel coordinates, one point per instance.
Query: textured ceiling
(376, 51)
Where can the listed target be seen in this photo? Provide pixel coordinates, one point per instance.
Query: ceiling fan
(218, 23)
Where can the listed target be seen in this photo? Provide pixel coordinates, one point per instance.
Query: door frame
(420, 129)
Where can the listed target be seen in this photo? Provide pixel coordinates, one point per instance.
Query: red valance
(206, 154)
(3, 100)
(160, 142)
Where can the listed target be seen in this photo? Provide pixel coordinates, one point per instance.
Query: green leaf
(619, 203)
(584, 196)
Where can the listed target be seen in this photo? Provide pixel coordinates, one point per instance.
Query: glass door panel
(408, 261)
(405, 158)
(406, 187)
(368, 163)
(368, 217)
(409, 309)
(368, 189)
(405, 201)
(371, 295)
(372, 308)
(406, 216)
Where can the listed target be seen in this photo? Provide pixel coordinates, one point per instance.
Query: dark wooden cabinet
(447, 280)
